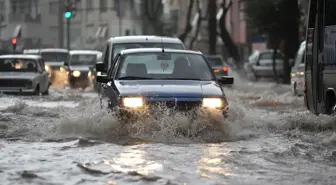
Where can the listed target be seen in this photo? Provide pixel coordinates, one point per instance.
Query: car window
(83, 59)
(55, 56)
(117, 48)
(18, 65)
(215, 61)
(269, 56)
(165, 66)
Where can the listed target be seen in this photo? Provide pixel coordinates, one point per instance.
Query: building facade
(41, 23)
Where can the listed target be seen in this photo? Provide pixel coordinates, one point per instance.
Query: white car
(23, 74)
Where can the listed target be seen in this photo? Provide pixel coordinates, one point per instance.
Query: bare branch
(226, 8)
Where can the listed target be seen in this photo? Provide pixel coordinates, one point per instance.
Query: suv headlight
(133, 102)
(47, 68)
(76, 73)
(212, 102)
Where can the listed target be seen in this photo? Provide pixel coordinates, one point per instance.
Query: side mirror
(100, 67)
(103, 79)
(226, 80)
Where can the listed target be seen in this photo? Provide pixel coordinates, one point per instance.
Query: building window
(89, 4)
(103, 5)
(53, 8)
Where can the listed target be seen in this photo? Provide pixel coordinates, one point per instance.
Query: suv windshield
(18, 65)
(54, 56)
(83, 59)
(117, 48)
(158, 65)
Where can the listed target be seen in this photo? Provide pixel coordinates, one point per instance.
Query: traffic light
(14, 41)
(68, 14)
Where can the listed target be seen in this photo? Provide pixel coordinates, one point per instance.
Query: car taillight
(225, 69)
(216, 70)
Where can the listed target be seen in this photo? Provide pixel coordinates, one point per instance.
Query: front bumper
(219, 75)
(16, 90)
(191, 110)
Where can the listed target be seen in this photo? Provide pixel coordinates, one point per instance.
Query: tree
(188, 27)
(279, 19)
(198, 26)
(152, 17)
(212, 26)
(225, 35)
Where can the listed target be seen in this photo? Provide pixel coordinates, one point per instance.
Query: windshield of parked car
(83, 59)
(117, 48)
(159, 65)
(215, 61)
(55, 56)
(18, 65)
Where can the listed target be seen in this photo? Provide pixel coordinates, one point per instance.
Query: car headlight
(300, 73)
(133, 102)
(62, 69)
(98, 73)
(212, 102)
(293, 74)
(89, 74)
(76, 73)
(47, 68)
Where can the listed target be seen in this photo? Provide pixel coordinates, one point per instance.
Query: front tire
(46, 92)
(295, 93)
(37, 90)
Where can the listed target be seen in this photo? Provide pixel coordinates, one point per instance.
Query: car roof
(84, 52)
(144, 39)
(54, 50)
(33, 57)
(213, 56)
(149, 50)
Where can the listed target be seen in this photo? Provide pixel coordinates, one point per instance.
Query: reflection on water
(60, 79)
(213, 163)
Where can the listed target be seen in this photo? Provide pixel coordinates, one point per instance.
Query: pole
(120, 19)
(68, 4)
(68, 33)
(61, 23)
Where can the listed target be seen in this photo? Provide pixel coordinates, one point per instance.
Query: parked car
(23, 74)
(79, 67)
(218, 65)
(260, 65)
(298, 71)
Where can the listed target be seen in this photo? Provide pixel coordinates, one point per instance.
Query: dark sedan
(151, 79)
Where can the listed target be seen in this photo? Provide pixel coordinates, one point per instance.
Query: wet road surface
(66, 138)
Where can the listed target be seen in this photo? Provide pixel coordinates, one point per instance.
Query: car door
(109, 89)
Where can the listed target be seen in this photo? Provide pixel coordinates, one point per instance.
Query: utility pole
(70, 12)
(61, 10)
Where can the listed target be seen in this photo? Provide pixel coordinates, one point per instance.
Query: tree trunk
(188, 27)
(199, 22)
(212, 26)
(226, 37)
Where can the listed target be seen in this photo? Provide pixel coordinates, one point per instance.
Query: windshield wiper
(134, 78)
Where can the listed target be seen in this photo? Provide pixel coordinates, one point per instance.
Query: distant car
(260, 65)
(80, 66)
(218, 65)
(298, 71)
(116, 44)
(152, 79)
(23, 74)
(31, 51)
(54, 59)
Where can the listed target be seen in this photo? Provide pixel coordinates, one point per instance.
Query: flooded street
(66, 138)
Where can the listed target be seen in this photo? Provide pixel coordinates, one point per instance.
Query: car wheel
(295, 93)
(37, 90)
(46, 92)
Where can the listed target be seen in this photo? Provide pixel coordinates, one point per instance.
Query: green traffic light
(67, 15)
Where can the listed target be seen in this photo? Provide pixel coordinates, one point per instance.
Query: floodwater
(66, 138)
